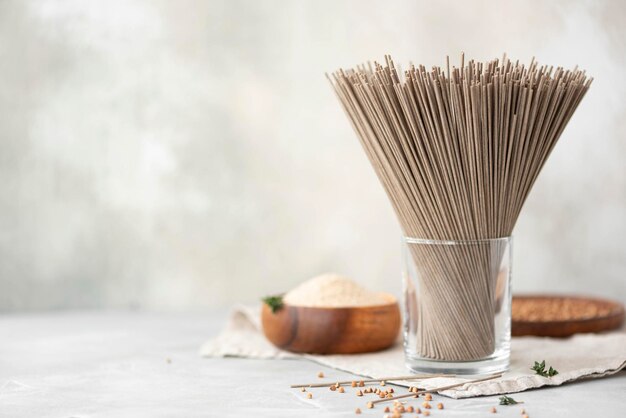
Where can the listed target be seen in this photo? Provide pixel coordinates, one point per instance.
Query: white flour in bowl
(332, 291)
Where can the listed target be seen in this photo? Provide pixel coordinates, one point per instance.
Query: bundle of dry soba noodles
(457, 151)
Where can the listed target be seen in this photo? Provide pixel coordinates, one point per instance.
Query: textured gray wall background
(173, 155)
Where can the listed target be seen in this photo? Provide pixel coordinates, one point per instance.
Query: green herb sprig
(507, 400)
(274, 302)
(540, 369)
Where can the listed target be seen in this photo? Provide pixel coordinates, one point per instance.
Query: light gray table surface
(126, 364)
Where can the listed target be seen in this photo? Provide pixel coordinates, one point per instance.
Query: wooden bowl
(347, 330)
(610, 316)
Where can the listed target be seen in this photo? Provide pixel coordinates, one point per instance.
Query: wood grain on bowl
(563, 316)
(347, 330)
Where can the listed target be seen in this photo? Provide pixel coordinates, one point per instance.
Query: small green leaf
(274, 302)
(507, 400)
(540, 369)
(552, 372)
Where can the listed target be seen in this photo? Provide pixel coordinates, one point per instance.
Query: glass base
(497, 363)
(457, 305)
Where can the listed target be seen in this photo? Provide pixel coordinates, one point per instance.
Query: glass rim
(412, 240)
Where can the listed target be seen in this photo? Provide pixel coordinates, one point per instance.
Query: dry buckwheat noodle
(457, 151)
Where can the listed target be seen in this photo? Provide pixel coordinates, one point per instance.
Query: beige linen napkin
(578, 357)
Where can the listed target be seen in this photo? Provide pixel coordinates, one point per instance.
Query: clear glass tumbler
(457, 303)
